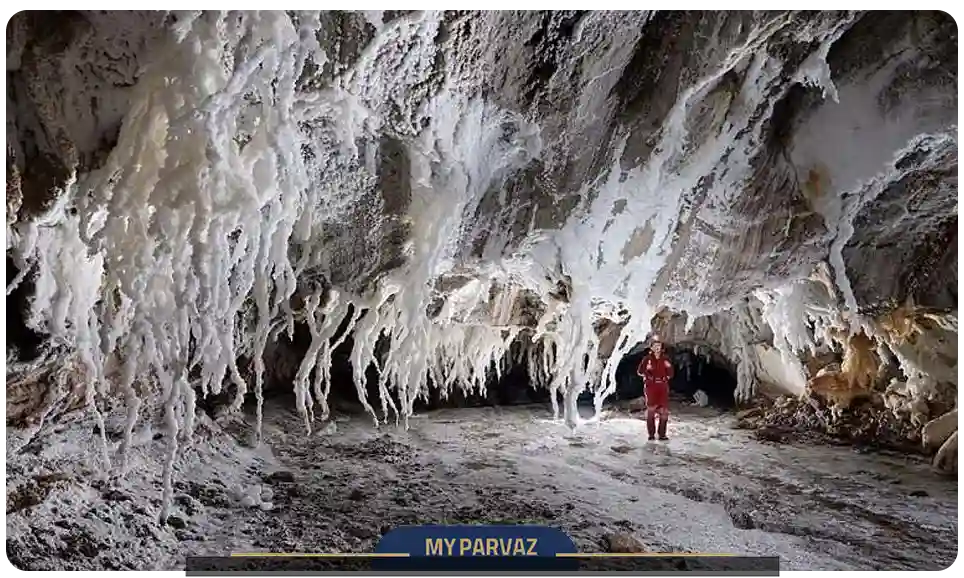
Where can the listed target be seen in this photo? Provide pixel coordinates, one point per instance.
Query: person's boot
(662, 428)
(651, 424)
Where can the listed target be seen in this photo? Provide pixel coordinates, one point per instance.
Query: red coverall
(656, 371)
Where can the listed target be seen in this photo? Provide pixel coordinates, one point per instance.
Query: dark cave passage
(706, 370)
(512, 386)
(697, 368)
(21, 338)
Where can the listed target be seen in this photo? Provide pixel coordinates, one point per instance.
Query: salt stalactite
(800, 313)
(322, 324)
(735, 340)
(785, 311)
(188, 245)
(365, 335)
(196, 210)
(66, 285)
(308, 363)
(189, 224)
(593, 246)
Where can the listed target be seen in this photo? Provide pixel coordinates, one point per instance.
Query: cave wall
(463, 175)
(539, 64)
(899, 233)
(70, 75)
(772, 368)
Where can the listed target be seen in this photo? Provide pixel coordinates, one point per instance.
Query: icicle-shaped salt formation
(198, 207)
(189, 243)
(67, 287)
(601, 249)
(189, 221)
(469, 140)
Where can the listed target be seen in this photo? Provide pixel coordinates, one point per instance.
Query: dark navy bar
(491, 565)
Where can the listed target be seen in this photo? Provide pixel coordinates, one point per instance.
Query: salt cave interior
(282, 281)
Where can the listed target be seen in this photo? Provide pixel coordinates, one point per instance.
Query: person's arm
(670, 370)
(647, 365)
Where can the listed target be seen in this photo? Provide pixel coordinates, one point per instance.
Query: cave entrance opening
(25, 343)
(697, 368)
(510, 386)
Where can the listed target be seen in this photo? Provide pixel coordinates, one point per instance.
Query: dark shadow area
(25, 341)
(511, 386)
(696, 369)
(707, 371)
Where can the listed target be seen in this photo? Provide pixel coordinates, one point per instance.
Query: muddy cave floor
(710, 488)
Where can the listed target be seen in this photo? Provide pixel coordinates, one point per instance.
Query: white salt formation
(417, 191)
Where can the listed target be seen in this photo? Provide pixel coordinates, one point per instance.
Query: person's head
(656, 347)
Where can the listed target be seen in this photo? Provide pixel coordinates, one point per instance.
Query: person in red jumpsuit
(656, 370)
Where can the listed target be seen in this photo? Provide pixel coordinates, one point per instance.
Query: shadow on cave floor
(710, 488)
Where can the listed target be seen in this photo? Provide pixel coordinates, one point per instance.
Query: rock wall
(185, 188)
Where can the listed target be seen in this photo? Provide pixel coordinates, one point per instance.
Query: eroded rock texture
(447, 184)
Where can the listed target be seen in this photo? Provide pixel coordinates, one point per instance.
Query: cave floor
(711, 488)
